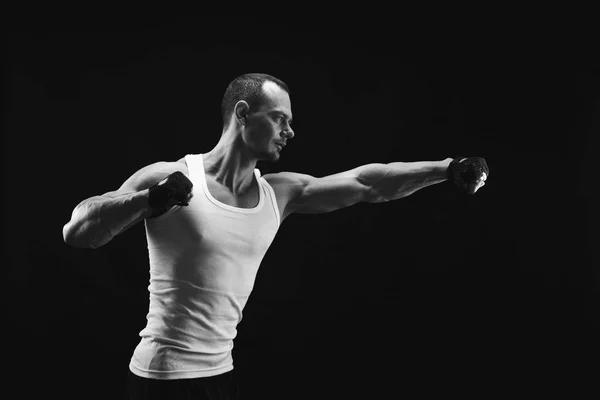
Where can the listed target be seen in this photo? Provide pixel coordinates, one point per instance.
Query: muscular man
(210, 219)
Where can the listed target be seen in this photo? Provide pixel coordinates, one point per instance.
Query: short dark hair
(247, 87)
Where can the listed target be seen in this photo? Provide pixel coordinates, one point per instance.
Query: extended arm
(372, 183)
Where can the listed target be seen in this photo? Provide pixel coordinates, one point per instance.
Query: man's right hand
(175, 189)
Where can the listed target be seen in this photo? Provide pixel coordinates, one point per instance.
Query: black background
(437, 292)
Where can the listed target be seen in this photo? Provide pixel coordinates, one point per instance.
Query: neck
(230, 163)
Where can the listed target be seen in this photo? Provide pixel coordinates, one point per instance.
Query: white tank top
(203, 262)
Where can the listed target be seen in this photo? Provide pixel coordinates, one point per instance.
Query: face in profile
(268, 126)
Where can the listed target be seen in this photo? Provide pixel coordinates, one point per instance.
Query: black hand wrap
(174, 191)
(468, 171)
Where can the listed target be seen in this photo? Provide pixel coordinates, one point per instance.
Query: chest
(248, 199)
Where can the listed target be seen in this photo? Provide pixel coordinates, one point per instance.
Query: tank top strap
(269, 195)
(196, 168)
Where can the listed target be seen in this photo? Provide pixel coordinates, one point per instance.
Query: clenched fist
(175, 189)
(468, 173)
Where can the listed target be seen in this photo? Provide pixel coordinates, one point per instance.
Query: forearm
(392, 181)
(97, 220)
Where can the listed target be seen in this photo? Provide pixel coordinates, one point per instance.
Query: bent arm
(97, 220)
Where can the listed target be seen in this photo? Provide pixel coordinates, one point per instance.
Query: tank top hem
(171, 374)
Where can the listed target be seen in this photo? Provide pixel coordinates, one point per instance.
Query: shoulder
(288, 186)
(288, 182)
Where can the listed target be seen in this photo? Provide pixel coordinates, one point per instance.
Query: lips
(280, 144)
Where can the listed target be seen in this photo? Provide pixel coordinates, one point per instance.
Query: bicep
(329, 193)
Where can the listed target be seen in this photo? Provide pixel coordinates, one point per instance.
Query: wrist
(140, 202)
(444, 167)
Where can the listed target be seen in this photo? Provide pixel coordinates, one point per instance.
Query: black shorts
(222, 387)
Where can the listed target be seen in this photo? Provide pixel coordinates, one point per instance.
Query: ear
(241, 111)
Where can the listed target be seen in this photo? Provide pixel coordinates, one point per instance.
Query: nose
(288, 132)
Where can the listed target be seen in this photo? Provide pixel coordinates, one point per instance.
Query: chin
(272, 158)
(268, 156)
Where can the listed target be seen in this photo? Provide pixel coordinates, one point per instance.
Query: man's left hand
(469, 173)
